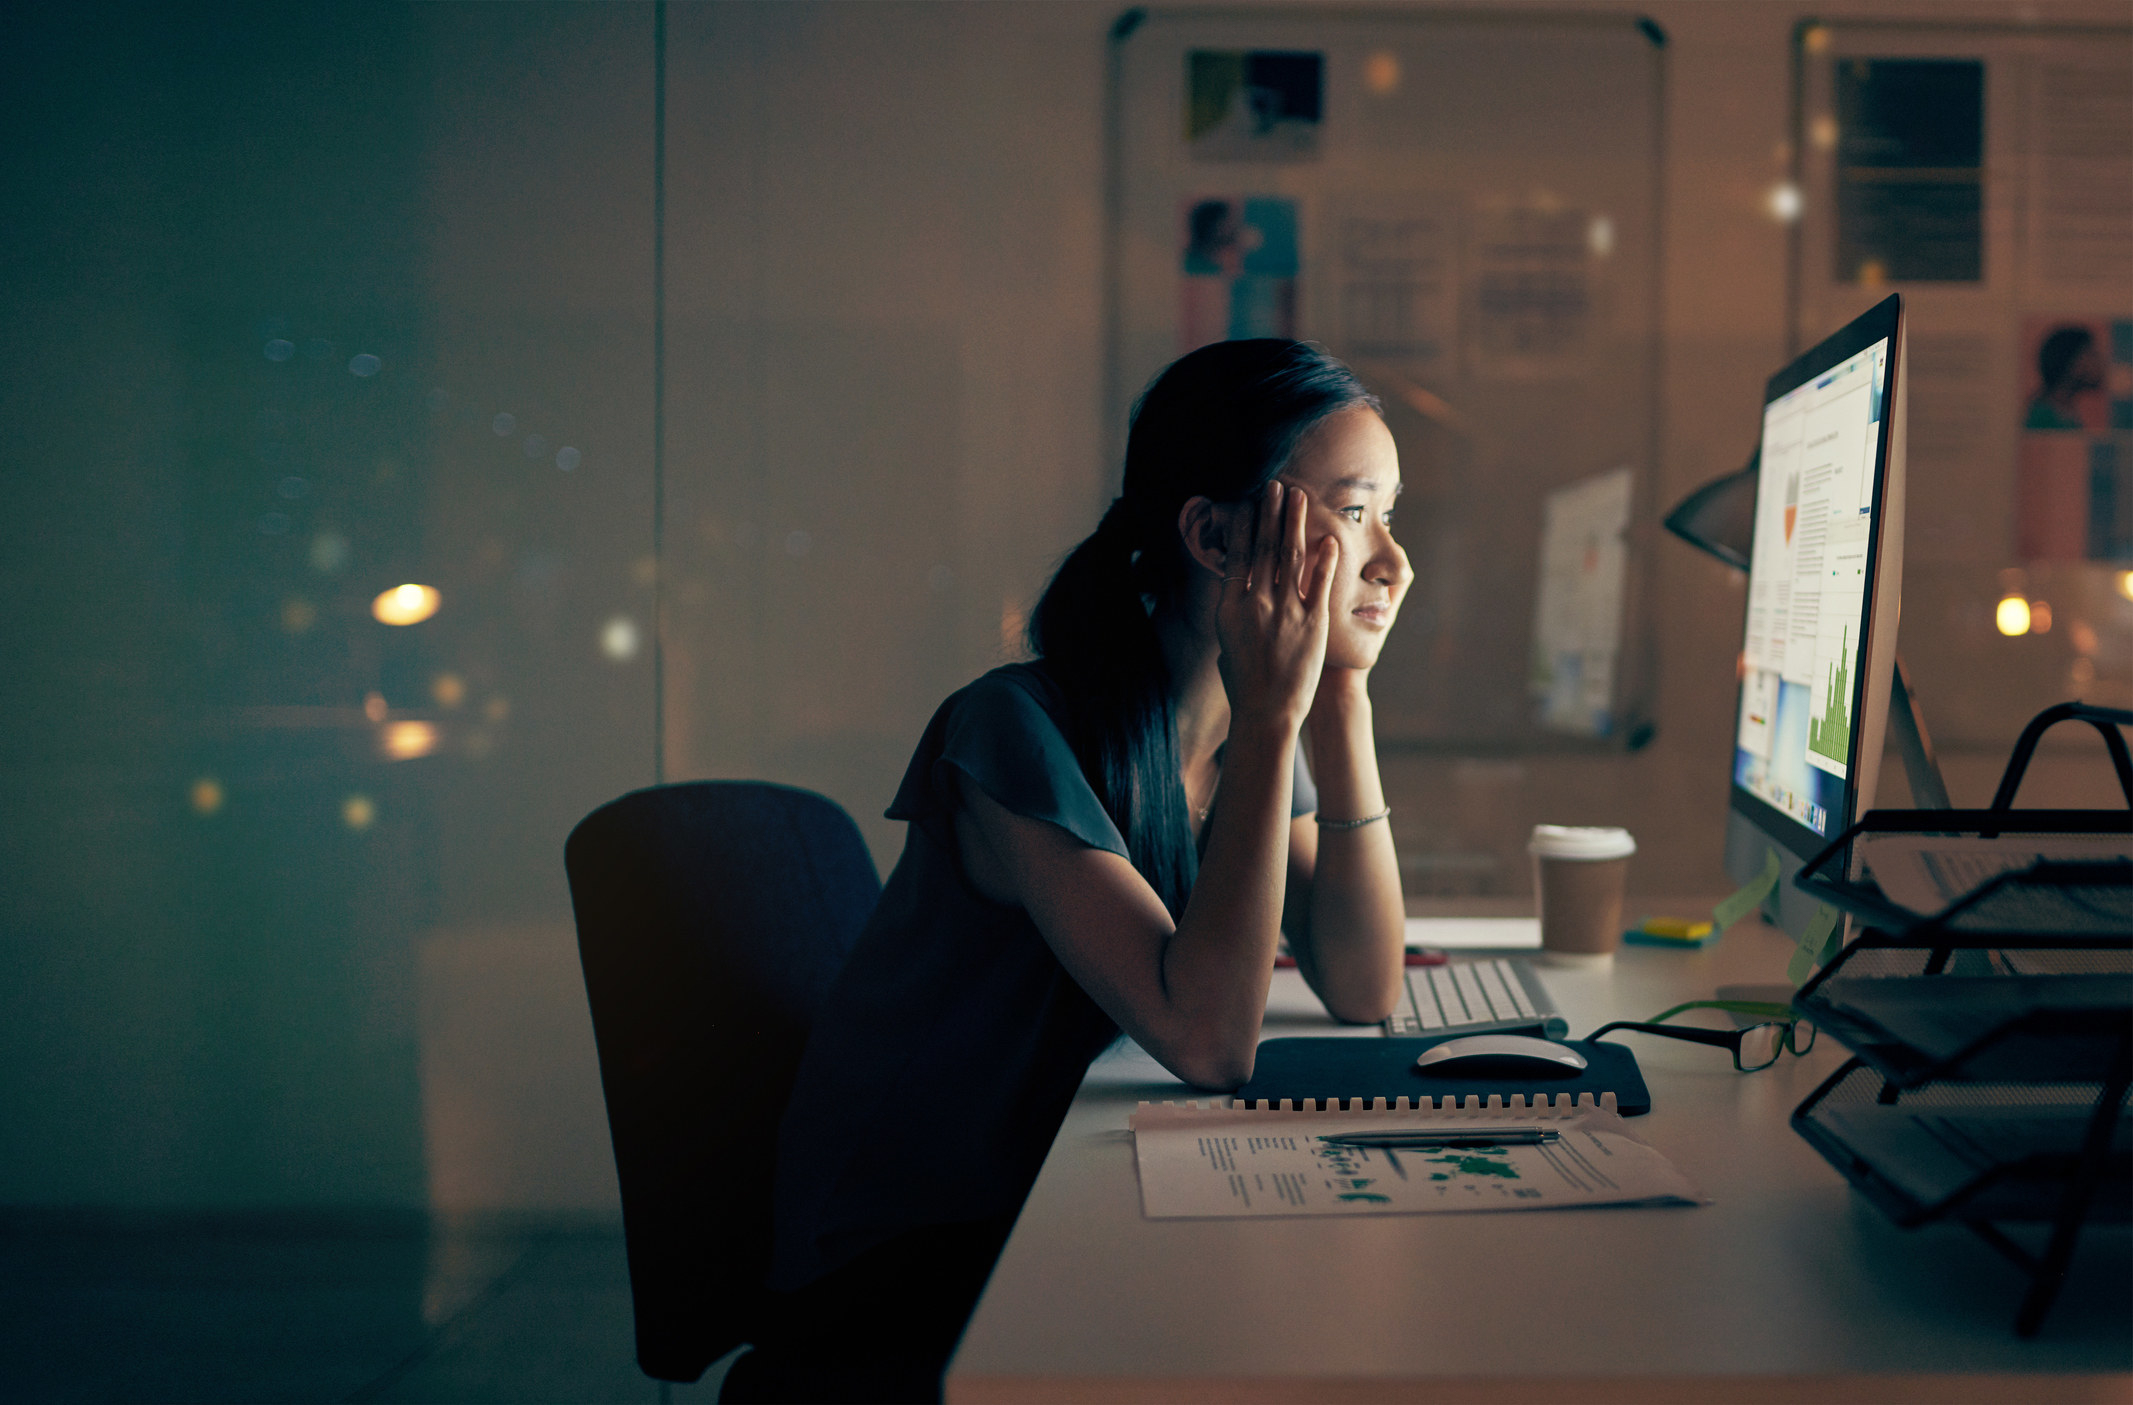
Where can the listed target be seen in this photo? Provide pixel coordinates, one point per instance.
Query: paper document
(1240, 1163)
(1475, 933)
(1927, 872)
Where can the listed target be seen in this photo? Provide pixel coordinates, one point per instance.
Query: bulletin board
(1465, 207)
(1985, 171)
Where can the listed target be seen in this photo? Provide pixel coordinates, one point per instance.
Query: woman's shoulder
(1011, 684)
(1006, 733)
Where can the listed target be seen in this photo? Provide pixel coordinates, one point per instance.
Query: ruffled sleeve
(1002, 732)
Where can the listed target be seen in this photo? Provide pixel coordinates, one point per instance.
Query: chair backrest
(712, 917)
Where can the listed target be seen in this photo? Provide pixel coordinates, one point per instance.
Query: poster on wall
(1253, 104)
(1910, 171)
(1237, 269)
(2075, 476)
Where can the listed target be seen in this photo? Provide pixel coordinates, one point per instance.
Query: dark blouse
(943, 1059)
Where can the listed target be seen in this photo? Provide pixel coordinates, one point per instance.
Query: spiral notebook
(1236, 1161)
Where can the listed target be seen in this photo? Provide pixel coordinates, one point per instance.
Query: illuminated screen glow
(1807, 590)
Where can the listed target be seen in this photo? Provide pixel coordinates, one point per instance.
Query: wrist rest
(1322, 1067)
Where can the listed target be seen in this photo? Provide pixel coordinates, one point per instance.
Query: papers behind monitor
(1475, 933)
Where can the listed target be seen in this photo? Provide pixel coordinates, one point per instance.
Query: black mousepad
(1363, 1067)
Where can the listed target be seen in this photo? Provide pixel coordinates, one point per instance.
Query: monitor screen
(1810, 579)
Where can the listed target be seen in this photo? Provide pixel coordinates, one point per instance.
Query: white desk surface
(1787, 1287)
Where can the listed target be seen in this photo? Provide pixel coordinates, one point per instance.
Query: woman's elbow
(1372, 1004)
(1217, 1069)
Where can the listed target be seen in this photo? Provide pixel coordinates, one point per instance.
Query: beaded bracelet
(1324, 823)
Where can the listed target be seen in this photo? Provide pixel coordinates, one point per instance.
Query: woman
(1109, 840)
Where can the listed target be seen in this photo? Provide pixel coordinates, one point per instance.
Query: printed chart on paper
(1234, 1163)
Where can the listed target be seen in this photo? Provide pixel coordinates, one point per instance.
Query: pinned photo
(1239, 264)
(2075, 476)
(1253, 105)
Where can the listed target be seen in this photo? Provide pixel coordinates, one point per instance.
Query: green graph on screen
(1831, 734)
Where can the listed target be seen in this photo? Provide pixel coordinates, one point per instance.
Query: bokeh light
(280, 349)
(359, 812)
(1600, 236)
(503, 424)
(1784, 202)
(2012, 617)
(206, 795)
(329, 552)
(619, 639)
(374, 706)
(2125, 584)
(449, 689)
(497, 709)
(567, 458)
(1823, 132)
(405, 604)
(404, 741)
(298, 615)
(1381, 72)
(2040, 617)
(365, 364)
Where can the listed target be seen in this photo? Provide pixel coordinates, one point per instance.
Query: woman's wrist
(1342, 704)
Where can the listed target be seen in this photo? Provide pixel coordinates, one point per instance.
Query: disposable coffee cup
(1579, 877)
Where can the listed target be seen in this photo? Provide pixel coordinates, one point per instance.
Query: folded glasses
(1756, 1046)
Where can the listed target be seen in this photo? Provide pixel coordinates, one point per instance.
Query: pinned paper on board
(1910, 171)
(1253, 104)
(1577, 613)
(1530, 299)
(1395, 276)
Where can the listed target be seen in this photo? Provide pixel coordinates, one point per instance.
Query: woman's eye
(1353, 514)
(1386, 519)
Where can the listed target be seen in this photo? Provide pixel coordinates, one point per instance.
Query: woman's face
(1348, 465)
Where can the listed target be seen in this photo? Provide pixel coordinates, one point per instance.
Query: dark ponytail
(1218, 423)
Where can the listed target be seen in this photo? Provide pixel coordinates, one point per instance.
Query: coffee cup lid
(1561, 841)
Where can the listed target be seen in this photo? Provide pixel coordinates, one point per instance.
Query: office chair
(712, 917)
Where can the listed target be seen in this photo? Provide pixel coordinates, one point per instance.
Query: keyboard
(1491, 994)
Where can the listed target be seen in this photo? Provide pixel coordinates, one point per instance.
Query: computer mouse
(1501, 1055)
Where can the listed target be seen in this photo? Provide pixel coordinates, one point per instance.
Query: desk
(1788, 1287)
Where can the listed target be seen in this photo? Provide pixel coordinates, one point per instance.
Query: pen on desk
(1417, 1139)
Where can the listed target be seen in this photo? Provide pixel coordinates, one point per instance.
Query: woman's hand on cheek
(1275, 611)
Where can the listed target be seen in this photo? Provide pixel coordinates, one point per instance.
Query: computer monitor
(1825, 578)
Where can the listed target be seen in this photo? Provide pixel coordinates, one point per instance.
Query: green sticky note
(1817, 945)
(1751, 895)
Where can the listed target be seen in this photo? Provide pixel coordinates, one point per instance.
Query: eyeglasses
(1755, 1047)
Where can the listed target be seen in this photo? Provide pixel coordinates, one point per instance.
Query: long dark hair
(1218, 423)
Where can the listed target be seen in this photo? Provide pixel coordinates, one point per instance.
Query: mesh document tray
(2055, 899)
(1969, 1151)
(1999, 1013)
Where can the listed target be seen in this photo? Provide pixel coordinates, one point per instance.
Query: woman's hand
(1274, 614)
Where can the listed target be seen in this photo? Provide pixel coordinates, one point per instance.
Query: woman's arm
(1345, 916)
(1192, 993)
